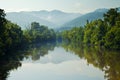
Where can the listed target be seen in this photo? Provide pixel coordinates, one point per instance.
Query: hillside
(81, 21)
(52, 19)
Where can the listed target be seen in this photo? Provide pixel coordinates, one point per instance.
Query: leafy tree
(11, 35)
(2, 21)
(111, 16)
(99, 32)
(112, 38)
(2, 29)
(88, 31)
(39, 33)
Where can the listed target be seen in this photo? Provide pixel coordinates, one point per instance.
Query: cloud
(17, 10)
(77, 4)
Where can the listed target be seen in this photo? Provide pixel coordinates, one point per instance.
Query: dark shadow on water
(106, 60)
(12, 60)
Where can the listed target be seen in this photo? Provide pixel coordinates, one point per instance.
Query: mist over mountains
(82, 20)
(54, 19)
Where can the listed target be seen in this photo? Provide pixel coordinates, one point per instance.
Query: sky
(74, 6)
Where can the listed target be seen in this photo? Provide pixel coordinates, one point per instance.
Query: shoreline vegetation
(102, 32)
(17, 44)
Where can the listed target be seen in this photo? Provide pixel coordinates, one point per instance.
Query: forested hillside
(13, 38)
(101, 32)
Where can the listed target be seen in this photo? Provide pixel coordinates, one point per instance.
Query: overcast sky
(79, 6)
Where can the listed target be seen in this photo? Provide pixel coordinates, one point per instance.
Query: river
(64, 62)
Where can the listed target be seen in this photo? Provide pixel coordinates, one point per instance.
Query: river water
(66, 62)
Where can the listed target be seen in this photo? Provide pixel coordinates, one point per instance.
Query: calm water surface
(67, 62)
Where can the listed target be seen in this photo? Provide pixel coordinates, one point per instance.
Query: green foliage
(112, 38)
(111, 17)
(2, 21)
(13, 38)
(11, 35)
(88, 31)
(39, 33)
(74, 35)
(100, 32)
(94, 32)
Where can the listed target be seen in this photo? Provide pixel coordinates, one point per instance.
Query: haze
(76, 6)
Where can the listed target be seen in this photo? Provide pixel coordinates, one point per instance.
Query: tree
(97, 36)
(88, 31)
(111, 16)
(2, 21)
(102, 32)
(112, 38)
(39, 33)
(13, 36)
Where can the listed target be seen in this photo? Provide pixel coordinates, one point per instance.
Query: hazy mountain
(24, 20)
(51, 19)
(55, 16)
(81, 21)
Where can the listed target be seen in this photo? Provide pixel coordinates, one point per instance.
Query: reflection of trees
(5, 67)
(74, 48)
(9, 62)
(107, 61)
(38, 50)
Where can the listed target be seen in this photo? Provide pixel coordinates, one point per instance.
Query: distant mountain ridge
(55, 16)
(52, 19)
(81, 21)
(56, 19)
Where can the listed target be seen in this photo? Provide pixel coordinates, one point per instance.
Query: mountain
(81, 21)
(52, 19)
(55, 16)
(24, 20)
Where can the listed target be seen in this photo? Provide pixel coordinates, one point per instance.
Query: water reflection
(106, 61)
(57, 65)
(9, 62)
(38, 50)
(69, 70)
(12, 60)
(68, 61)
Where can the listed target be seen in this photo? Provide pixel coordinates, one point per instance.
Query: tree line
(12, 37)
(102, 32)
(39, 33)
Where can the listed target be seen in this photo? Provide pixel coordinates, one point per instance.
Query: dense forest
(39, 33)
(13, 38)
(102, 32)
